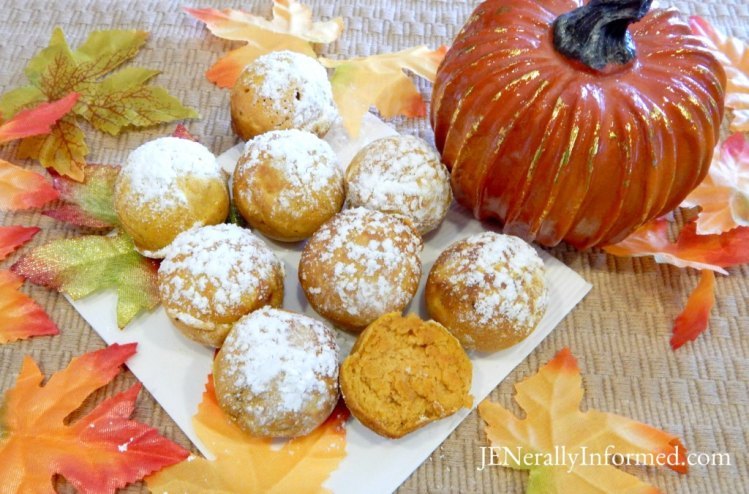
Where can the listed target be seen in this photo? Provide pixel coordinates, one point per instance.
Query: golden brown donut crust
(489, 290)
(300, 99)
(214, 275)
(153, 227)
(360, 265)
(288, 183)
(290, 383)
(403, 373)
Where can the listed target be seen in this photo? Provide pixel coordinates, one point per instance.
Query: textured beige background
(619, 333)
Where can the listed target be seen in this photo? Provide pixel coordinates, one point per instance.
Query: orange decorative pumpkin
(565, 123)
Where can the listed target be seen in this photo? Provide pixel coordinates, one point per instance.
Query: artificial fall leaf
(248, 464)
(733, 54)
(20, 318)
(109, 102)
(23, 189)
(379, 80)
(83, 265)
(12, 237)
(713, 252)
(692, 322)
(38, 120)
(89, 203)
(551, 401)
(291, 28)
(181, 132)
(723, 196)
(98, 453)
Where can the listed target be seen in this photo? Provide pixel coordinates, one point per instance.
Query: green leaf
(18, 99)
(89, 203)
(111, 103)
(85, 265)
(63, 149)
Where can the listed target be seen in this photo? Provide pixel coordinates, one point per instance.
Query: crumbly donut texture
(168, 186)
(404, 373)
(214, 275)
(360, 265)
(489, 290)
(287, 183)
(277, 373)
(282, 90)
(400, 175)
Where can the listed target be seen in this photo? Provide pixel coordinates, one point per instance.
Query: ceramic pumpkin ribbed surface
(564, 122)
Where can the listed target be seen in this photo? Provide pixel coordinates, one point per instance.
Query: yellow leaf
(555, 426)
(246, 464)
(379, 80)
(723, 196)
(291, 28)
(733, 54)
(63, 149)
(123, 100)
(111, 103)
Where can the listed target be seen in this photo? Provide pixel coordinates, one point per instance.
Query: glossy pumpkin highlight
(557, 150)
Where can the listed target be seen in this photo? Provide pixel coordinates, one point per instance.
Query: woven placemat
(619, 333)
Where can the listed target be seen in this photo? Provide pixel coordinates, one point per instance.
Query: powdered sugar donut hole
(213, 275)
(489, 290)
(277, 373)
(401, 175)
(360, 265)
(282, 90)
(166, 187)
(288, 183)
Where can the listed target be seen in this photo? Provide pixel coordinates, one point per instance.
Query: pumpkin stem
(596, 33)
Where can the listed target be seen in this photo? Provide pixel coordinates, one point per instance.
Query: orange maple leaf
(379, 81)
(733, 54)
(291, 28)
(38, 120)
(23, 189)
(713, 252)
(553, 422)
(248, 464)
(12, 237)
(20, 318)
(99, 453)
(693, 320)
(723, 196)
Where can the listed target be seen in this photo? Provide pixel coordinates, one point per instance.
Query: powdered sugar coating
(216, 274)
(501, 267)
(291, 88)
(285, 367)
(153, 169)
(360, 265)
(488, 289)
(288, 177)
(400, 175)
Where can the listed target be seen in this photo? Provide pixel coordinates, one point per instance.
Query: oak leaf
(379, 81)
(20, 318)
(693, 320)
(89, 203)
(291, 28)
(84, 265)
(733, 54)
(12, 237)
(713, 252)
(38, 120)
(99, 453)
(23, 189)
(109, 102)
(723, 196)
(248, 464)
(553, 422)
